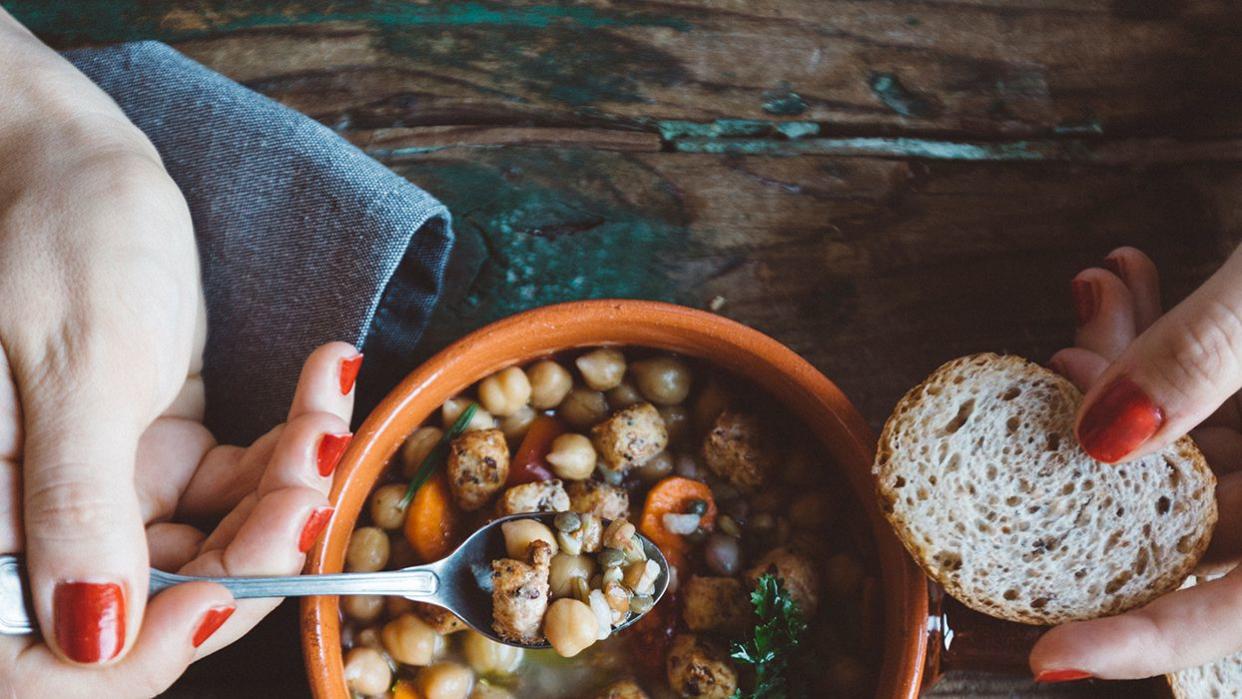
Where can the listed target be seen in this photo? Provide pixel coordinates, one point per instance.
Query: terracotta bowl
(526, 336)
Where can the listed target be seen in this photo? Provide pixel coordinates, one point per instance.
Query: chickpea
(549, 383)
(564, 569)
(369, 638)
(676, 421)
(810, 510)
(656, 468)
(505, 392)
(843, 576)
(488, 657)
(367, 672)
(395, 606)
(386, 509)
(483, 690)
(363, 608)
(572, 457)
(368, 550)
(445, 680)
(624, 394)
(515, 426)
(416, 448)
(601, 369)
(570, 626)
(712, 400)
(663, 380)
(451, 410)
(411, 641)
(583, 407)
(521, 532)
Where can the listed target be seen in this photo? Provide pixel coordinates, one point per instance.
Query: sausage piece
(797, 573)
(520, 594)
(538, 496)
(739, 450)
(715, 604)
(630, 438)
(599, 498)
(699, 669)
(478, 464)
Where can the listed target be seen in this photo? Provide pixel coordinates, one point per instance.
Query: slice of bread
(981, 477)
(1219, 680)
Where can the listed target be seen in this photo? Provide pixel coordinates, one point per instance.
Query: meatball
(630, 438)
(600, 499)
(715, 604)
(439, 618)
(538, 496)
(699, 669)
(625, 689)
(478, 464)
(520, 594)
(739, 450)
(796, 572)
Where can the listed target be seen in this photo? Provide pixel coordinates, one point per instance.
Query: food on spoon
(520, 594)
(983, 480)
(715, 533)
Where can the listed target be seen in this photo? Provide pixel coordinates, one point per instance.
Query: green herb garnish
(775, 639)
(437, 454)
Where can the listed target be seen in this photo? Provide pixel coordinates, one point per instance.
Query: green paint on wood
(674, 129)
(127, 20)
(783, 101)
(891, 148)
(901, 99)
(539, 226)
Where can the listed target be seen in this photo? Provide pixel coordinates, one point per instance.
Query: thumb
(85, 545)
(1172, 377)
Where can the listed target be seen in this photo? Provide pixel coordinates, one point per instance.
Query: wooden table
(880, 185)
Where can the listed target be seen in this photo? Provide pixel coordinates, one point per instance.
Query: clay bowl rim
(543, 331)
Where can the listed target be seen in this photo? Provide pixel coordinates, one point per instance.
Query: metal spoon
(460, 582)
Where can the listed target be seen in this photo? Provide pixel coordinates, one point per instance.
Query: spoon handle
(16, 615)
(411, 582)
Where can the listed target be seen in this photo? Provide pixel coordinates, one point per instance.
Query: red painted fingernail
(1114, 265)
(1084, 300)
(1120, 420)
(212, 621)
(331, 448)
(349, 373)
(314, 524)
(90, 620)
(1050, 676)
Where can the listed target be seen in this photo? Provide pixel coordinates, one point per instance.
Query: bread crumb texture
(980, 474)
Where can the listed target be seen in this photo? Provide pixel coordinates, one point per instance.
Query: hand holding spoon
(460, 582)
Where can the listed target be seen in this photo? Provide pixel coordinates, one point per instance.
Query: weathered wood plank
(983, 67)
(875, 270)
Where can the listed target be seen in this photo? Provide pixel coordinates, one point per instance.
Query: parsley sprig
(776, 637)
(438, 454)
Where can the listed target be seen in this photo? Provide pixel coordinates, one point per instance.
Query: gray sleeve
(303, 238)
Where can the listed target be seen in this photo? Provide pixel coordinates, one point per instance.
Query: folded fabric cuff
(303, 238)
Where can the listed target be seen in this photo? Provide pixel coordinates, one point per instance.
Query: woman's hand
(1150, 377)
(277, 493)
(102, 325)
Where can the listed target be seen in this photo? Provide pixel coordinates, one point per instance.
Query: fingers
(168, 453)
(327, 381)
(1081, 366)
(309, 449)
(1172, 377)
(1187, 628)
(272, 539)
(1105, 310)
(178, 623)
(1226, 545)
(170, 546)
(1138, 273)
(226, 475)
(85, 543)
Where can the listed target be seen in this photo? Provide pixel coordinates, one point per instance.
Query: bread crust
(1173, 571)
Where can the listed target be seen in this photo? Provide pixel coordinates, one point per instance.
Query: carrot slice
(530, 461)
(404, 690)
(673, 495)
(431, 523)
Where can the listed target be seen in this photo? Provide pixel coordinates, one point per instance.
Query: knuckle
(65, 508)
(1207, 351)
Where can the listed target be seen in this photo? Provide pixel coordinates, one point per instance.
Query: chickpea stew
(729, 486)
